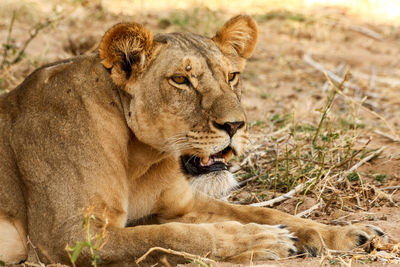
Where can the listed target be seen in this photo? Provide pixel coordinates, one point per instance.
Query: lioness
(121, 130)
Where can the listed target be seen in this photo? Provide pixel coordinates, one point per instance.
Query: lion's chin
(215, 184)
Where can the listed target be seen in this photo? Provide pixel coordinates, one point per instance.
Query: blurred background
(322, 92)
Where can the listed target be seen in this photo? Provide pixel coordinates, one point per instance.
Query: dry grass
(325, 156)
(318, 161)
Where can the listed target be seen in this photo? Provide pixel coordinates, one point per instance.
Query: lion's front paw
(349, 237)
(244, 242)
(313, 239)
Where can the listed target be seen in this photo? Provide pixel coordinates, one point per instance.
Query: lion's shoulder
(63, 68)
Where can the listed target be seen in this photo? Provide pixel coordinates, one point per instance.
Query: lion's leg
(12, 210)
(310, 233)
(12, 241)
(219, 241)
(225, 241)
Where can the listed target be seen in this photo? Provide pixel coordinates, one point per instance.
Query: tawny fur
(12, 241)
(107, 131)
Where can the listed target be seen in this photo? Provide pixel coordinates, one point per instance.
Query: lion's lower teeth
(220, 160)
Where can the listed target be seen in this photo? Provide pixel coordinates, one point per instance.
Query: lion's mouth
(194, 165)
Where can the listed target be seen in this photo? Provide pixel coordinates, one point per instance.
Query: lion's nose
(229, 127)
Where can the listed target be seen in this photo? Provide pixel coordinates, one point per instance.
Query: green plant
(200, 263)
(93, 242)
(353, 176)
(281, 121)
(18, 52)
(380, 178)
(257, 123)
(2, 263)
(334, 261)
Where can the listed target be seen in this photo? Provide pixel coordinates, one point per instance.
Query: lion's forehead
(199, 49)
(189, 42)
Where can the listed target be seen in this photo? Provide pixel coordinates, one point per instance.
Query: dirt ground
(283, 78)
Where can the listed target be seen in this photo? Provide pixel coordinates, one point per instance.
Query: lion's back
(50, 95)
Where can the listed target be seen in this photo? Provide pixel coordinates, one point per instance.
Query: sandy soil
(278, 80)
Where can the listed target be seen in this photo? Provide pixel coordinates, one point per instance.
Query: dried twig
(328, 106)
(241, 183)
(283, 197)
(29, 242)
(381, 195)
(362, 162)
(165, 262)
(367, 32)
(383, 80)
(32, 34)
(186, 255)
(388, 136)
(337, 79)
(366, 159)
(8, 40)
(308, 212)
(32, 264)
(308, 59)
(371, 112)
(391, 187)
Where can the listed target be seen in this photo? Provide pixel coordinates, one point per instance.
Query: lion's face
(192, 106)
(186, 90)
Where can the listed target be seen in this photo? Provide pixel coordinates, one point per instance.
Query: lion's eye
(180, 79)
(232, 76)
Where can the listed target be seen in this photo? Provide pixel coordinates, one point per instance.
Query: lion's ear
(126, 49)
(237, 37)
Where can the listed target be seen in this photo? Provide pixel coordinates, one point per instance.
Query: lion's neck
(142, 157)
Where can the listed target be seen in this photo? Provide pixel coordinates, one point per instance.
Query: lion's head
(185, 90)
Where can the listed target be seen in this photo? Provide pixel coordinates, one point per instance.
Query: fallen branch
(381, 195)
(29, 242)
(308, 212)
(234, 168)
(316, 65)
(388, 136)
(186, 255)
(376, 79)
(283, 197)
(366, 159)
(241, 183)
(367, 32)
(337, 79)
(395, 187)
(362, 162)
(32, 264)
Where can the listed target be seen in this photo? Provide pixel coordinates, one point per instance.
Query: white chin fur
(215, 184)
